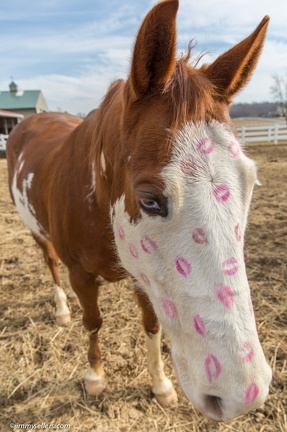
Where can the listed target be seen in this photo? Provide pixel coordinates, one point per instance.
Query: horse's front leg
(87, 289)
(161, 386)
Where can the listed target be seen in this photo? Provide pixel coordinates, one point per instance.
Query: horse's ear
(231, 71)
(153, 59)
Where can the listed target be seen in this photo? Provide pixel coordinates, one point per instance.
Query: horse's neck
(94, 148)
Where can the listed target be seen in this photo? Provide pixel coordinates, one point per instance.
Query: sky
(73, 50)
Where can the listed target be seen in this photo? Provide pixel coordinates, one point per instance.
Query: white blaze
(191, 265)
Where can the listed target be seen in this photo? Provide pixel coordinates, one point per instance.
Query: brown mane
(188, 93)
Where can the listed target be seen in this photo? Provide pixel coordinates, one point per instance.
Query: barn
(15, 105)
(26, 102)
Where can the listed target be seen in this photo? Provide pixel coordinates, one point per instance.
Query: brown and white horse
(155, 184)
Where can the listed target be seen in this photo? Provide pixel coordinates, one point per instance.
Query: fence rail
(266, 133)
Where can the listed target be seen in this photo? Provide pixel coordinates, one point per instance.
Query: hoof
(94, 383)
(167, 399)
(62, 320)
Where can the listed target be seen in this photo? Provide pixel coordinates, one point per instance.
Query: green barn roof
(19, 99)
(22, 100)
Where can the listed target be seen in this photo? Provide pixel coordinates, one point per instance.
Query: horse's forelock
(191, 94)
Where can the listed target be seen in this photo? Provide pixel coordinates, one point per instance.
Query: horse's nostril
(213, 406)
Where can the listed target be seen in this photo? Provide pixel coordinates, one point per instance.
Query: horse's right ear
(153, 59)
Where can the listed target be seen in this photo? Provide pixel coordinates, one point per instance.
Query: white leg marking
(62, 311)
(95, 382)
(162, 387)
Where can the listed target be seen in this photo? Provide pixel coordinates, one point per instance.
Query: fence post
(270, 133)
(3, 139)
(243, 133)
(276, 133)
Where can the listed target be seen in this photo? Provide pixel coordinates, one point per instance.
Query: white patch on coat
(24, 207)
(103, 164)
(29, 180)
(20, 162)
(191, 266)
(20, 167)
(91, 194)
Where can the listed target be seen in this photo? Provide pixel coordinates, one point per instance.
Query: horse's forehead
(207, 153)
(204, 140)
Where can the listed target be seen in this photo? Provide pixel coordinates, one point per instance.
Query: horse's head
(181, 210)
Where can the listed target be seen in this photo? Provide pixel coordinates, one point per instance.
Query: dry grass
(258, 121)
(42, 365)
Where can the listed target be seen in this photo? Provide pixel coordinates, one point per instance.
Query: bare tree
(279, 91)
(81, 115)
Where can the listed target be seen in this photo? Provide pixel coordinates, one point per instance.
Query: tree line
(266, 109)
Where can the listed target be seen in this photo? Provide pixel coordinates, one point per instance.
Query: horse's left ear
(153, 59)
(231, 71)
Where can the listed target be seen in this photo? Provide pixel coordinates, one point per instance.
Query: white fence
(3, 139)
(272, 133)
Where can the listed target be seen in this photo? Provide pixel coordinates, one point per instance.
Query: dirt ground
(42, 365)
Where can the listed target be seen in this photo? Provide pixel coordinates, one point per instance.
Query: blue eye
(150, 206)
(153, 203)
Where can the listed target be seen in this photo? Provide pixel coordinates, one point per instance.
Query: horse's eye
(150, 206)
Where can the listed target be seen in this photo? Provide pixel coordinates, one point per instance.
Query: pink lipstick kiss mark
(121, 233)
(237, 231)
(205, 145)
(234, 149)
(169, 308)
(221, 192)
(199, 236)
(188, 165)
(230, 266)
(148, 245)
(247, 351)
(133, 251)
(199, 325)
(183, 266)
(225, 295)
(251, 393)
(212, 367)
(145, 278)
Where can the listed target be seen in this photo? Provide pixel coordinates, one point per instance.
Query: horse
(154, 184)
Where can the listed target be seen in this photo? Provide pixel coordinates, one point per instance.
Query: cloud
(272, 61)
(73, 50)
(74, 94)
